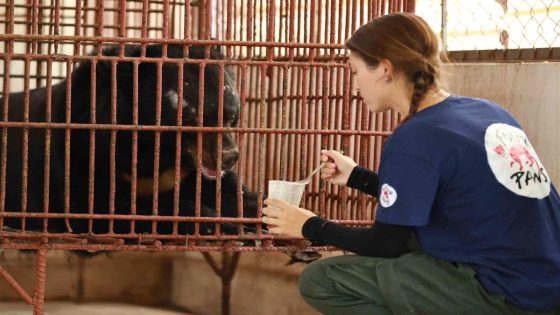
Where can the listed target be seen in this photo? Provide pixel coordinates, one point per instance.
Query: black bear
(73, 161)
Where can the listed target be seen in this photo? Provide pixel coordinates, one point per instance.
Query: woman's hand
(283, 218)
(338, 168)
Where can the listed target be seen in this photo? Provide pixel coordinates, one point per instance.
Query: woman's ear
(387, 68)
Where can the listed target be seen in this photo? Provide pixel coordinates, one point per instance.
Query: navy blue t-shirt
(465, 175)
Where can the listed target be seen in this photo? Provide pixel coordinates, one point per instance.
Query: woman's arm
(380, 240)
(364, 180)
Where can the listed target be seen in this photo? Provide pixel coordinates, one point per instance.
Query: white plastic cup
(290, 192)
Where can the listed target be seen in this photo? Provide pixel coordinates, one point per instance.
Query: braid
(423, 80)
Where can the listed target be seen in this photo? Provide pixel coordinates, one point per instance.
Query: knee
(311, 278)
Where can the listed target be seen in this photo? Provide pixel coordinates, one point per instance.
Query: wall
(141, 278)
(263, 284)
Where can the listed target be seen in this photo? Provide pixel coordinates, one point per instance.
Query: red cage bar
(295, 96)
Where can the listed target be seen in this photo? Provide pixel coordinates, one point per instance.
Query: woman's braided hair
(423, 80)
(409, 43)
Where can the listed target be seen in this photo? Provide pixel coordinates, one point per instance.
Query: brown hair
(409, 43)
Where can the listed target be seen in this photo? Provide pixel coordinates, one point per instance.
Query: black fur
(80, 144)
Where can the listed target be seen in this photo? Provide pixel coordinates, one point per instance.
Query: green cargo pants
(414, 283)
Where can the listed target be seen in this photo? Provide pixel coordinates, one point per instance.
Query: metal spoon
(308, 179)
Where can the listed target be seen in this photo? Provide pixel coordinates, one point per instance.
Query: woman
(458, 177)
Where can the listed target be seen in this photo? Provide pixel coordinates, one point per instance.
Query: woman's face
(371, 81)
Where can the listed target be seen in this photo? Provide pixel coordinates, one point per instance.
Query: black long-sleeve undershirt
(379, 240)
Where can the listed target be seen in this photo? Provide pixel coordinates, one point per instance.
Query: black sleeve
(364, 180)
(380, 240)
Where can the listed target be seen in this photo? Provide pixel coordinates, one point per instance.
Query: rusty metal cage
(295, 94)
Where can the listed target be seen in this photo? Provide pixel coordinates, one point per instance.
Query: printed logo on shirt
(388, 196)
(514, 162)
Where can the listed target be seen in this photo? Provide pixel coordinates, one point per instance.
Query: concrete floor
(69, 308)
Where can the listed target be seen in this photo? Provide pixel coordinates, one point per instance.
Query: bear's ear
(112, 50)
(153, 51)
(104, 67)
(124, 68)
(81, 81)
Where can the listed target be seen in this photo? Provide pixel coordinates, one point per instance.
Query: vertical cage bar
(25, 145)
(364, 156)
(83, 18)
(187, 22)
(122, 24)
(67, 135)
(134, 162)
(411, 6)
(340, 24)
(252, 120)
(241, 143)
(294, 113)
(332, 28)
(219, 140)
(39, 63)
(260, 156)
(229, 27)
(250, 25)
(46, 166)
(113, 145)
(178, 141)
(57, 21)
(324, 124)
(317, 117)
(199, 139)
(271, 22)
(274, 116)
(270, 54)
(304, 125)
(100, 12)
(34, 24)
(157, 145)
(292, 16)
(165, 27)
(145, 21)
(7, 62)
(92, 141)
(285, 116)
(208, 19)
(345, 145)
